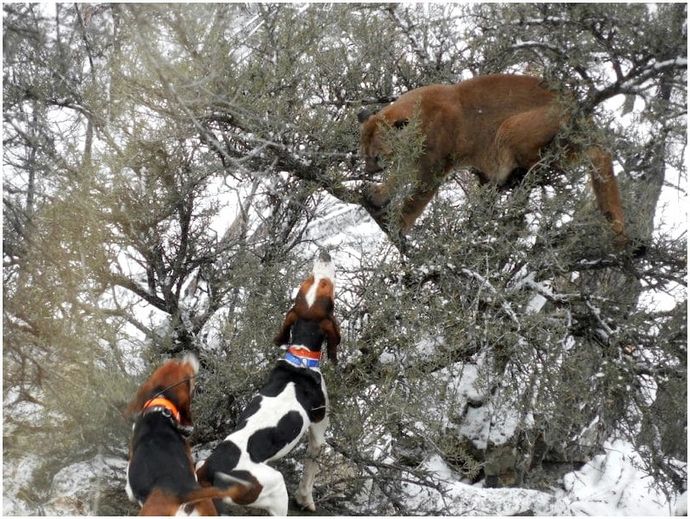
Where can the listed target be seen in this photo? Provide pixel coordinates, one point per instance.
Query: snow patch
(458, 498)
(612, 484)
(17, 475)
(76, 489)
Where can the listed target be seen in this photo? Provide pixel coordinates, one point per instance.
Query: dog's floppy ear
(330, 328)
(191, 366)
(137, 402)
(187, 369)
(143, 395)
(283, 336)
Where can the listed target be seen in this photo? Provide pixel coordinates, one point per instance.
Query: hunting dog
(496, 124)
(293, 401)
(160, 473)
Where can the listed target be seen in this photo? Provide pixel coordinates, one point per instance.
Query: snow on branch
(486, 284)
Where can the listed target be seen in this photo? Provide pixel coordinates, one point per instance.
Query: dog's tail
(238, 491)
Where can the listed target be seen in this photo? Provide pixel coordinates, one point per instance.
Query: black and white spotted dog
(293, 401)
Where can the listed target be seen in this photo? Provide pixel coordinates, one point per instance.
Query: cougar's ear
(401, 123)
(364, 115)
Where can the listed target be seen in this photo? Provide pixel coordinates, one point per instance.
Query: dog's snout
(323, 266)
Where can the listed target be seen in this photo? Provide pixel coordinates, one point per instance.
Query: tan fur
(162, 503)
(495, 124)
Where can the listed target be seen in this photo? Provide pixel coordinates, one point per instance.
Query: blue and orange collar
(302, 357)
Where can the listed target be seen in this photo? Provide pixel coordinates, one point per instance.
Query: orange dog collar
(160, 402)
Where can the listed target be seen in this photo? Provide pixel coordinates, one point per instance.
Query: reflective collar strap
(302, 357)
(160, 403)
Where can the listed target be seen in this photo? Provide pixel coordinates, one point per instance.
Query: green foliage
(244, 352)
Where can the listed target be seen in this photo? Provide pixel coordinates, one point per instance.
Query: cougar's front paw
(376, 195)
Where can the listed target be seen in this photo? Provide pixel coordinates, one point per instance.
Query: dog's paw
(306, 502)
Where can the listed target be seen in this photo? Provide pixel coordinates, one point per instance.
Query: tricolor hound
(293, 400)
(160, 473)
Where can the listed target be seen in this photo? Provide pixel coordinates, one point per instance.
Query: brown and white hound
(293, 401)
(160, 473)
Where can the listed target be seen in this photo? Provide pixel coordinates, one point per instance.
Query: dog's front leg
(317, 439)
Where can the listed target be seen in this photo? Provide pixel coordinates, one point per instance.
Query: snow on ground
(611, 484)
(78, 488)
(75, 489)
(462, 499)
(17, 474)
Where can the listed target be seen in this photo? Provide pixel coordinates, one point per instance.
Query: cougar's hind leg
(520, 139)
